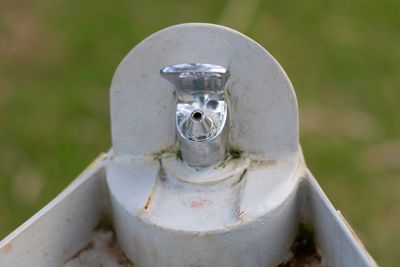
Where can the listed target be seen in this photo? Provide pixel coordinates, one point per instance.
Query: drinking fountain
(205, 169)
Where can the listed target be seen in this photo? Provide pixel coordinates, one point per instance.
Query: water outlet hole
(197, 115)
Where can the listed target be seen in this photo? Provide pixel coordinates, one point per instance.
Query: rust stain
(148, 202)
(105, 243)
(304, 249)
(7, 248)
(89, 246)
(117, 253)
(197, 204)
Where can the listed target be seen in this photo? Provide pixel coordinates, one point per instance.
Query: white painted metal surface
(244, 217)
(55, 235)
(62, 227)
(244, 212)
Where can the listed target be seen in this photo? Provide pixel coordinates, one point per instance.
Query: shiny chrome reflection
(202, 114)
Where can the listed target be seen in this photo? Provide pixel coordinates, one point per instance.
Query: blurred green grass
(57, 59)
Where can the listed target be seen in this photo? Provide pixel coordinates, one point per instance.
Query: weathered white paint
(62, 227)
(339, 243)
(143, 104)
(246, 209)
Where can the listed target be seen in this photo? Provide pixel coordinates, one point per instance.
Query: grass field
(57, 59)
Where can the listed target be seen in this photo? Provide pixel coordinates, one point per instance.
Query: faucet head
(201, 111)
(196, 80)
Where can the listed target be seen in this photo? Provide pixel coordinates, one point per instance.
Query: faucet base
(190, 217)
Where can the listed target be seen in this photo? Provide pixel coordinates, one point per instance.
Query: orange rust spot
(7, 248)
(148, 202)
(197, 204)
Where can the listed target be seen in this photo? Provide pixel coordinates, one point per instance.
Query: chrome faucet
(202, 114)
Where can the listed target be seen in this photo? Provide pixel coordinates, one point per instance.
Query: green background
(57, 59)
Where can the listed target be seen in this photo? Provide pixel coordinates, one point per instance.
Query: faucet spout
(202, 114)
